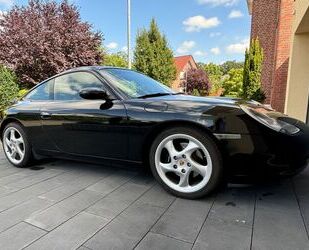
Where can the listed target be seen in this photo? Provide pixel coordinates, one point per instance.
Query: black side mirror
(93, 94)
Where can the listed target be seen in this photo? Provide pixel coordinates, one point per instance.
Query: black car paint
(122, 129)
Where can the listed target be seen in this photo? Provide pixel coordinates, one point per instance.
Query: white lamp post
(129, 32)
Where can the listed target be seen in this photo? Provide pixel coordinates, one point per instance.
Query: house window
(182, 75)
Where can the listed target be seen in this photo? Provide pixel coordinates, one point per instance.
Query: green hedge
(8, 88)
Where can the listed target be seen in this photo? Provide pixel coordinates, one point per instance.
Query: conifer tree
(252, 72)
(152, 55)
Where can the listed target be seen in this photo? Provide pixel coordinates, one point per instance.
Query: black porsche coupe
(122, 116)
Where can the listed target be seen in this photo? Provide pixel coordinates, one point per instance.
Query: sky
(210, 30)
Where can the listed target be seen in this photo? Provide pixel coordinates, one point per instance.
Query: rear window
(43, 92)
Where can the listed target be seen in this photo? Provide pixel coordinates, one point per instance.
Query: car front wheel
(186, 162)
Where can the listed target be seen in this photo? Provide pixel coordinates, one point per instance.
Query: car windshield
(134, 84)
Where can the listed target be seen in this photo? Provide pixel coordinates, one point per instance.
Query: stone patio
(69, 205)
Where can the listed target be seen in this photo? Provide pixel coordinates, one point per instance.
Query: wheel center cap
(181, 162)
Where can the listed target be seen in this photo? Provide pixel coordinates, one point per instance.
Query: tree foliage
(228, 65)
(197, 82)
(252, 72)
(118, 59)
(44, 38)
(215, 76)
(152, 55)
(233, 84)
(8, 88)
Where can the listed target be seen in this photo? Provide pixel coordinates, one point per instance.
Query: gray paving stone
(7, 170)
(19, 236)
(112, 182)
(278, 223)
(127, 229)
(117, 201)
(16, 176)
(157, 196)
(64, 210)
(73, 187)
(28, 193)
(154, 241)
(184, 219)
(83, 248)
(234, 206)
(6, 190)
(71, 234)
(219, 235)
(21, 212)
(33, 179)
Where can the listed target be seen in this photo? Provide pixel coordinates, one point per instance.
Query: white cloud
(112, 45)
(238, 48)
(236, 14)
(124, 49)
(214, 34)
(6, 3)
(196, 23)
(226, 3)
(185, 47)
(215, 51)
(200, 53)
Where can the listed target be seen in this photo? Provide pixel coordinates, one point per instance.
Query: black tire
(215, 155)
(27, 160)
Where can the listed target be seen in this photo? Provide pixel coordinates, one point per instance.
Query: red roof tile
(181, 61)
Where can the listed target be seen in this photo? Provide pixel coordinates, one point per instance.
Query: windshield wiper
(153, 95)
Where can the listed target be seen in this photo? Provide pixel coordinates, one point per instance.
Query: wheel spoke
(20, 152)
(8, 142)
(196, 167)
(184, 180)
(170, 148)
(12, 133)
(19, 140)
(167, 167)
(189, 148)
(13, 154)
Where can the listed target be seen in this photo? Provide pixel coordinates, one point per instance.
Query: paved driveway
(69, 205)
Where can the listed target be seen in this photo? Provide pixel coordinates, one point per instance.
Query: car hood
(189, 103)
(197, 99)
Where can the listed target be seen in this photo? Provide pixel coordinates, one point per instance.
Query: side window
(43, 92)
(67, 86)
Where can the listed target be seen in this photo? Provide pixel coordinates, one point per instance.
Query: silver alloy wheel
(14, 145)
(185, 168)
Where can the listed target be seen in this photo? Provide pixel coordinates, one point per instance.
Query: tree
(8, 88)
(215, 76)
(45, 38)
(228, 65)
(118, 59)
(152, 55)
(197, 82)
(233, 84)
(252, 72)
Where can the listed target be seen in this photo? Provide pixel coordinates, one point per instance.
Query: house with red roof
(183, 65)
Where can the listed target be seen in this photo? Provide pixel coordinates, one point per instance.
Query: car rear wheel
(186, 162)
(16, 146)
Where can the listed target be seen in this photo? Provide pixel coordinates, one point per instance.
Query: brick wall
(272, 24)
(264, 26)
(283, 47)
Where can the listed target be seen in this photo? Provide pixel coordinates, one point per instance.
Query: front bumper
(269, 152)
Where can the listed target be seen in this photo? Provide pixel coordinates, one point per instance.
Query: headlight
(261, 114)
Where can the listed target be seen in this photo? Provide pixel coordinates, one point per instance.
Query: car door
(85, 127)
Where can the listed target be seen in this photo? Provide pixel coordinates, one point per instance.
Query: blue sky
(210, 30)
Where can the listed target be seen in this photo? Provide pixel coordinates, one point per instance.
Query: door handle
(45, 115)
